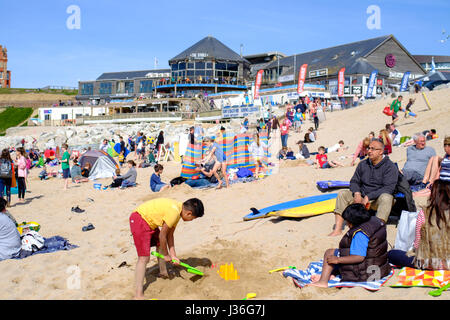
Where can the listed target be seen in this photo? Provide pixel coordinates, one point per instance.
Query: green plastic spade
(438, 292)
(188, 267)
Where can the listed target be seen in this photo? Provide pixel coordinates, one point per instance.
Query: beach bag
(387, 111)
(32, 241)
(244, 173)
(5, 169)
(406, 231)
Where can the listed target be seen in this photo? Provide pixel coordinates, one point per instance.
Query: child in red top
(323, 162)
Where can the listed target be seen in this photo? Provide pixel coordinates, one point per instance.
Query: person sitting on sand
(394, 134)
(373, 184)
(156, 185)
(322, 161)
(129, 178)
(362, 150)
(216, 153)
(362, 248)
(431, 250)
(10, 243)
(75, 173)
(310, 136)
(117, 182)
(303, 153)
(145, 224)
(384, 136)
(417, 158)
(282, 154)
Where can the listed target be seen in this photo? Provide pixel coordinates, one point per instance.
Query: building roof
(209, 47)
(123, 75)
(352, 56)
(427, 58)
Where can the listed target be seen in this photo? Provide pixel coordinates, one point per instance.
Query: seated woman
(384, 135)
(362, 247)
(10, 243)
(432, 244)
(75, 173)
(129, 178)
(362, 150)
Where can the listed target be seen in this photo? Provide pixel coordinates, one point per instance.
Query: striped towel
(303, 277)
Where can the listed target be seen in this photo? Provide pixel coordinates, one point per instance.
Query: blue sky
(127, 35)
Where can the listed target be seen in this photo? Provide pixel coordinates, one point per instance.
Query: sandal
(90, 226)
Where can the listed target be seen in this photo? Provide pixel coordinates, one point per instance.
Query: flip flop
(90, 226)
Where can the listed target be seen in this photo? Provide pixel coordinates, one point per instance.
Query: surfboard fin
(254, 210)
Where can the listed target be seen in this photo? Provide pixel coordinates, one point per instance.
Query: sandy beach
(221, 236)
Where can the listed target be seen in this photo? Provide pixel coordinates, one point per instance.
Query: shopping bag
(406, 231)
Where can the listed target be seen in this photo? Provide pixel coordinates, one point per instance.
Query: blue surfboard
(332, 184)
(117, 149)
(262, 213)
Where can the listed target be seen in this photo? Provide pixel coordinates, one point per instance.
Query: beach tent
(103, 165)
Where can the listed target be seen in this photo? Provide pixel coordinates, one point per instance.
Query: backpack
(32, 241)
(5, 169)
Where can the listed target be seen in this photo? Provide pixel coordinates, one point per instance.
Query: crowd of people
(365, 207)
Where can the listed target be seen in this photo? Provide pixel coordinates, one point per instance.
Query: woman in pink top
(22, 172)
(361, 150)
(284, 130)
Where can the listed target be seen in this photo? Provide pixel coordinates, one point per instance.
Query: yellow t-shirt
(157, 211)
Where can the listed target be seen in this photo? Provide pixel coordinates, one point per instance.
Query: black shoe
(77, 209)
(88, 227)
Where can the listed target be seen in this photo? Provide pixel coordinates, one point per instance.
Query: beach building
(385, 54)
(207, 67)
(5, 74)
(442, 63)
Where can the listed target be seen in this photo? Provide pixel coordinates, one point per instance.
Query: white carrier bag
(32, 241)
(406, 231)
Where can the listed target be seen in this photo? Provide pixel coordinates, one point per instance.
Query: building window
(199, 65)
(190, 65)
(47, 117)
(209, 65)
(64, 116)
(87, 89)
(182, 66)
(129, 87)
(146, 86)
(232, 66)
(221, 66)
(105, 88)
(175, 67)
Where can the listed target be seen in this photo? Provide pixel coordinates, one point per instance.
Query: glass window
(190, 73)
(209, 65)
(221, 66)
(226, 73)
(64, 116)
(182, 66)
(199, 72)
(232, 66)
(129, 86)
(199, 65)
(209, 73)
(174, 66)
(190, 65)
(146, 86)
(105, 88)
(87, 89)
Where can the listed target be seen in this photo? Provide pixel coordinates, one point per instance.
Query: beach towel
(52, 244)
(303, 277)
(410, 277)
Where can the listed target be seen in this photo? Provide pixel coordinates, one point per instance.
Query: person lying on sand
(362, 249)
(322, 161)
(145, 224)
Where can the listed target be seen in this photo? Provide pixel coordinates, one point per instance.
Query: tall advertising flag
(372, 79)
(405, 79)
(341, 80)
(258, 83)
(301, 78)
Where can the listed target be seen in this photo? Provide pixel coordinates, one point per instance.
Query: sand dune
(220, 237)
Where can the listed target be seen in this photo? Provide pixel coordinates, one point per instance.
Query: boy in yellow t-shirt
(145, 222)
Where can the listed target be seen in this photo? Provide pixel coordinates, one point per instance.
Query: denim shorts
(66, 173)
(159, 186)
(326, 165)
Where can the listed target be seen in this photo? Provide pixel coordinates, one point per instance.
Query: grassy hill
(12, 117)
(50, 91)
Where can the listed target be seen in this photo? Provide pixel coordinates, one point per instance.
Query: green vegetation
(54, 91)
(12, 117)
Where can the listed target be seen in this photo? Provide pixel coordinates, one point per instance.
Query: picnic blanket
(303, 277)
(410, 277)
(52, 244)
